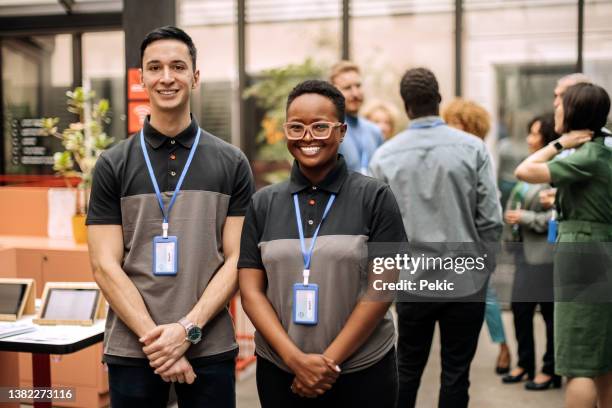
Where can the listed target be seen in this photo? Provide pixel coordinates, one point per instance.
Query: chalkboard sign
(30, 144)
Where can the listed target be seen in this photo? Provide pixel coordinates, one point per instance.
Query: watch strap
(557, 145)
(187, 325)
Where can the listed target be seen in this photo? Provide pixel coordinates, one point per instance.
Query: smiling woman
(313, 131)
(316, 337)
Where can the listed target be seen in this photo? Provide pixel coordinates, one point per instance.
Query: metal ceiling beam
(63, 23)
(67, 5)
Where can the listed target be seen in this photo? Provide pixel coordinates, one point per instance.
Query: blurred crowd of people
(567, 185)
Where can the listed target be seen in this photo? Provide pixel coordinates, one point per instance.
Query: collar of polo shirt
(155, 139)
(331, 183)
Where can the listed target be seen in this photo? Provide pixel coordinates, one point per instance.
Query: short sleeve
(573, 168)
(250, 255)
(105, 199)
(387, 224)
(243, 188)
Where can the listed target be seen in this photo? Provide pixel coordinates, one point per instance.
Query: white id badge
(165, 255)
(306, 303)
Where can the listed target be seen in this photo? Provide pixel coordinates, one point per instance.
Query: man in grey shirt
(443, 181)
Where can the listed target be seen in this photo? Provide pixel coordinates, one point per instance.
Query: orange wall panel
(8, 263)
(25, 210)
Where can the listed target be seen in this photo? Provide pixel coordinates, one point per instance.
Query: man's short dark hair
(547, 127)
(323, 88)
(419, 90)
(585, 106)
(169, 33)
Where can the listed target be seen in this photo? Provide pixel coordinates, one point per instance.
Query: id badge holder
(305, 304)
(552, 230)
(165, 256)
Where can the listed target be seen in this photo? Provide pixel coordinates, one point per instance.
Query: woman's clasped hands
(314, 374)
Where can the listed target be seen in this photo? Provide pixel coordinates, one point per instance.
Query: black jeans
(460, 324)
(523, 313)
(375, 387)
(132, 387)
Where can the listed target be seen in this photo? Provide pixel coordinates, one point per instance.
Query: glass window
(36, 73)
(514, 55)
(597, 57)
(388, 37)
(289, 32)
(104, 72)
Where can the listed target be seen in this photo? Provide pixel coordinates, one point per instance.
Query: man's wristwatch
(557, 145)
(193, 332)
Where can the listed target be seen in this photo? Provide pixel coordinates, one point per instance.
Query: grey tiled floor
(486, 391)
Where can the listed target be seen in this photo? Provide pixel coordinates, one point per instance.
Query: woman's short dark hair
(585, 106)
(547, 127)
(323, 88)
(419, 90)
(169, 33)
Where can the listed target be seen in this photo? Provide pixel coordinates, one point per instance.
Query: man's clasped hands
(166, 344)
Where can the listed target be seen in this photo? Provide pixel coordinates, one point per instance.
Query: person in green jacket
(582, 274)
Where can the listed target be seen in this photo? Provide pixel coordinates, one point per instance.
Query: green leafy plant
(270, 94)
(84, 140)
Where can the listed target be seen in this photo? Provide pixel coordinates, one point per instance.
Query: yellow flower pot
(79, 230)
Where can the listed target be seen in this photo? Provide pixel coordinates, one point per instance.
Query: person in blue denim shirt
(362, 137)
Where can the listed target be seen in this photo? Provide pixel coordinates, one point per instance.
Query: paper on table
(62, 207)
(59, 335)
(13, 329)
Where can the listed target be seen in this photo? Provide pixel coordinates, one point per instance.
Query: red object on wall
(137, 111)
(135, 89)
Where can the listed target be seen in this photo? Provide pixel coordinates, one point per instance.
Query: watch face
(194, 335)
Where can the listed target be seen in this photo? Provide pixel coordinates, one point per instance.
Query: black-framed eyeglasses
(318, 130)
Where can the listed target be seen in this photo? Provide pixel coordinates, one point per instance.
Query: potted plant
(273, 162)
(84, 141)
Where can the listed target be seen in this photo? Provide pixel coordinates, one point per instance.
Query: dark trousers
(374, 387)
(523, 326)
(460, 324)
(132, 387)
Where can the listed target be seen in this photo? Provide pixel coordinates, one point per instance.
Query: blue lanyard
(166, 213)
(308, 254)
(436, 123)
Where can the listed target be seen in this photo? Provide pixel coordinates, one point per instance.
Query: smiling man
(363, 137)
(165, 217)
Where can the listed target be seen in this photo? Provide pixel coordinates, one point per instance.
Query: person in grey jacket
(527, 222)
(443, 181)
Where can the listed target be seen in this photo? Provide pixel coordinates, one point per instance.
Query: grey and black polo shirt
(218, 184)
(364, 211)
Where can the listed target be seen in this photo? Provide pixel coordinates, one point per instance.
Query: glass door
(36, 73)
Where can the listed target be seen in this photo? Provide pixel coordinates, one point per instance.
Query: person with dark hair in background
(362, 137)
(305, 239)
(527, 223)
(165, 216)
(583, 307)
(443, 181)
